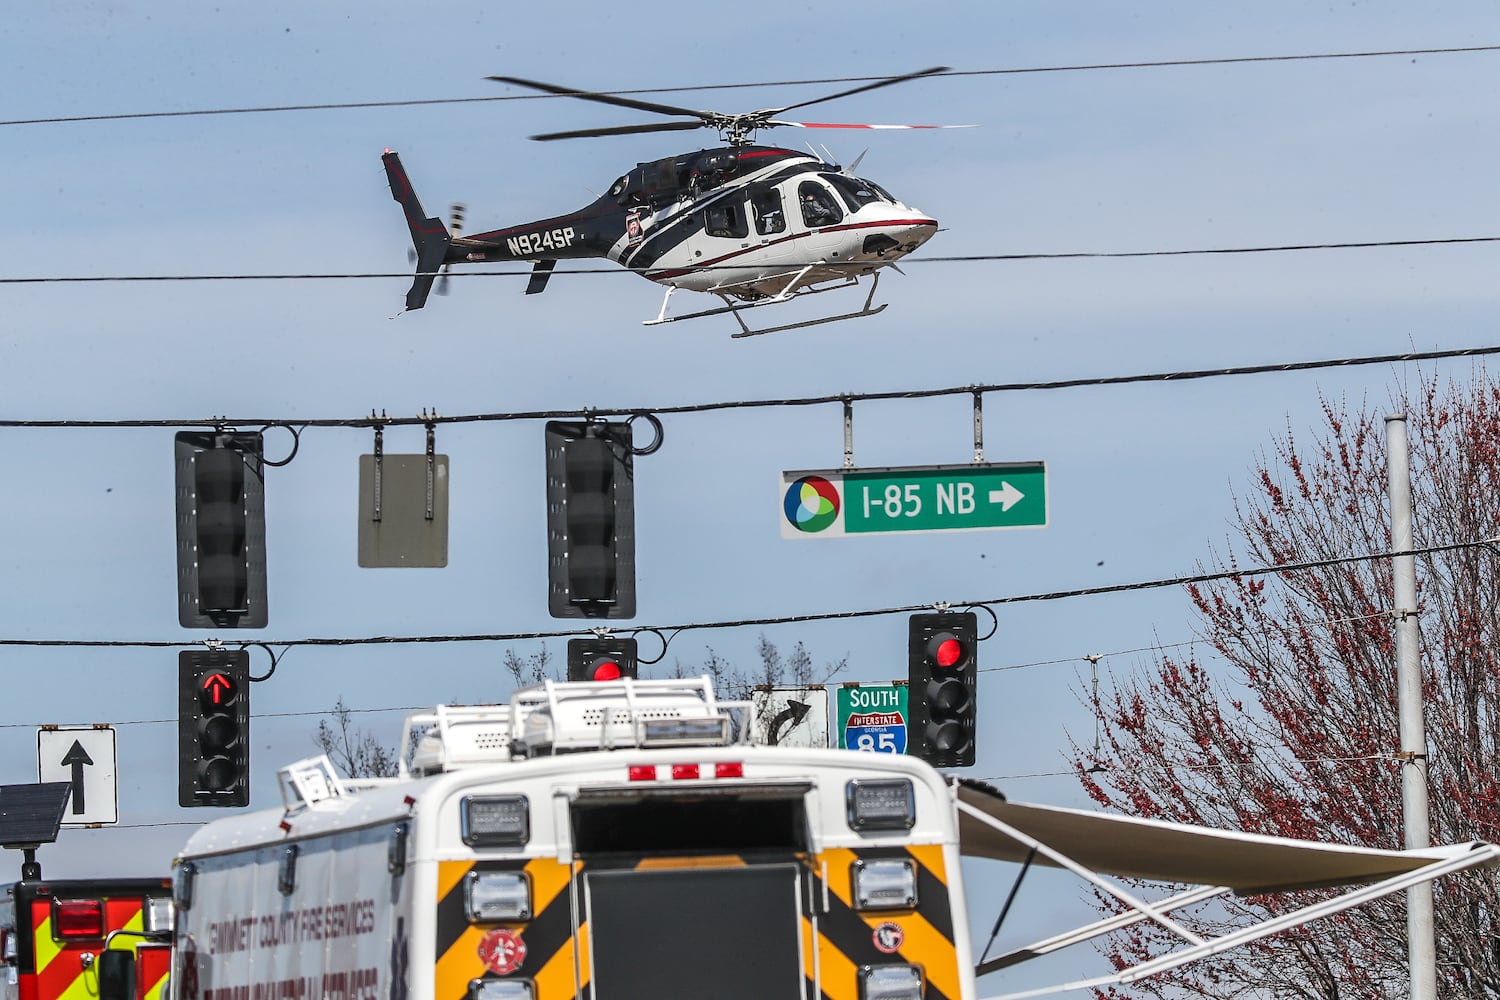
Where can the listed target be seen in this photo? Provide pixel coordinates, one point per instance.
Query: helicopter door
(766, 209)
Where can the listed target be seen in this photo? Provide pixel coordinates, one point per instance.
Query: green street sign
(833, 502)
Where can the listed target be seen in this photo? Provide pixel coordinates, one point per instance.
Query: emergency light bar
(682, 732)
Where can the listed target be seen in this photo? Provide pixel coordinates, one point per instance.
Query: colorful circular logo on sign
(502, 951)
(889, 937)
(811, 504)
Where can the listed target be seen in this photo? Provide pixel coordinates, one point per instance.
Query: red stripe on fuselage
(660, 275)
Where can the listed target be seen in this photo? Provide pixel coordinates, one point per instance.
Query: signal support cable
(671, 631)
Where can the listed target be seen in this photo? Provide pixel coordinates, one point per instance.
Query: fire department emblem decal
(502, 951)
(889, 937)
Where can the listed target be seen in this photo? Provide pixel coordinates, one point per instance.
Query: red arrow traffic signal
(213, 728)
(218, 690)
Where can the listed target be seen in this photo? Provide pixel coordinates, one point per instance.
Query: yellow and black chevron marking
(846, 937)
(60, 974)
(547, 935)
(835, 942)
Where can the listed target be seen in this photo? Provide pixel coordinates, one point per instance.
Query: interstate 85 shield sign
(872, 717)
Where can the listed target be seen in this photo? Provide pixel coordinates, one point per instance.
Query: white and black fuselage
(736, 221)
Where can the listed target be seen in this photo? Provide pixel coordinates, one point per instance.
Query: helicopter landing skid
(786, 295)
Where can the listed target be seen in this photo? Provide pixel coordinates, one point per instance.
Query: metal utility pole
(1421, 947)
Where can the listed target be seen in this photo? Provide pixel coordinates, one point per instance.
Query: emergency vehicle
(54, 932)
(627, 840)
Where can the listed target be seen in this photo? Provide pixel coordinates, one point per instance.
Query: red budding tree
(1289, 727)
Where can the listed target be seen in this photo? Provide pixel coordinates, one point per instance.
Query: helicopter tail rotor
(429, 237)
(455, 229)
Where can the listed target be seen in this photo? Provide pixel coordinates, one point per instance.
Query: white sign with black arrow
(84, 757)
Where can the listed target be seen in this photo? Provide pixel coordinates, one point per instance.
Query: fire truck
(54, 934)
(628, 840)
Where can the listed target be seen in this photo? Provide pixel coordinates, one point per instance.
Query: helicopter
(753, 225)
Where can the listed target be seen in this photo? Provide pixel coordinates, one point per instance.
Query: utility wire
(1081, 67)
(1188, 375)
(670, 632)
(1162, 646)
(384, 709)
(379, 709)
(256, 715)
(63, 279)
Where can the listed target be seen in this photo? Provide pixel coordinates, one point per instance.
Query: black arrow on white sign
(793, 713)
(77, 757)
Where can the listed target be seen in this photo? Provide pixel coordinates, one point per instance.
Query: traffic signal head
(221, 530)
(601, 659)
(213, 728)
(590, 519)
(942, 663)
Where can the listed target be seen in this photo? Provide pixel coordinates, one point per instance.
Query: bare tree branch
(1286, 722)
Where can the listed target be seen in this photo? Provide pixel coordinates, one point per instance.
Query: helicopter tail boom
(429, 237)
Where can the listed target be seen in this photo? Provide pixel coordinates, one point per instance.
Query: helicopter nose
(901, 236)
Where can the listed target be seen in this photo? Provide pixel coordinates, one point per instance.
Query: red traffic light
(601, 659)
(213, 728)
(942, 664)
(217, 691)
(604, 670)
(946, 650)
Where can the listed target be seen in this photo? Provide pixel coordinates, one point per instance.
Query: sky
(1141, 478)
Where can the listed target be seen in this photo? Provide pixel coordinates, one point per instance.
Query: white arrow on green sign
(833, 502)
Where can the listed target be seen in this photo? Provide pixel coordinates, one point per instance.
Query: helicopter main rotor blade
(587, 133)
(619, 102)
(861, 90)
(778, 121)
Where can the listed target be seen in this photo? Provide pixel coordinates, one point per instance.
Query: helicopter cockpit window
(818, 207)
(855, 192)
(766, 206)
(880, 191)
(618, 187)
(725, 219)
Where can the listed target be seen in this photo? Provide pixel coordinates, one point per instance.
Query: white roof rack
(558, 717)
(454, 735)
(567, 716)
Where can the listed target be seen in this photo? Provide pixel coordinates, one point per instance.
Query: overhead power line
(1007, 71)
(670, 632)
(979, 389)
(618, 270)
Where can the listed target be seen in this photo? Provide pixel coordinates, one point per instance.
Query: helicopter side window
(855, 192)
(766, 206)
(818, 207)
(726, 219)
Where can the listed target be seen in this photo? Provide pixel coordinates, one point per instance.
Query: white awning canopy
(1092, 845)
(1170, 852)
